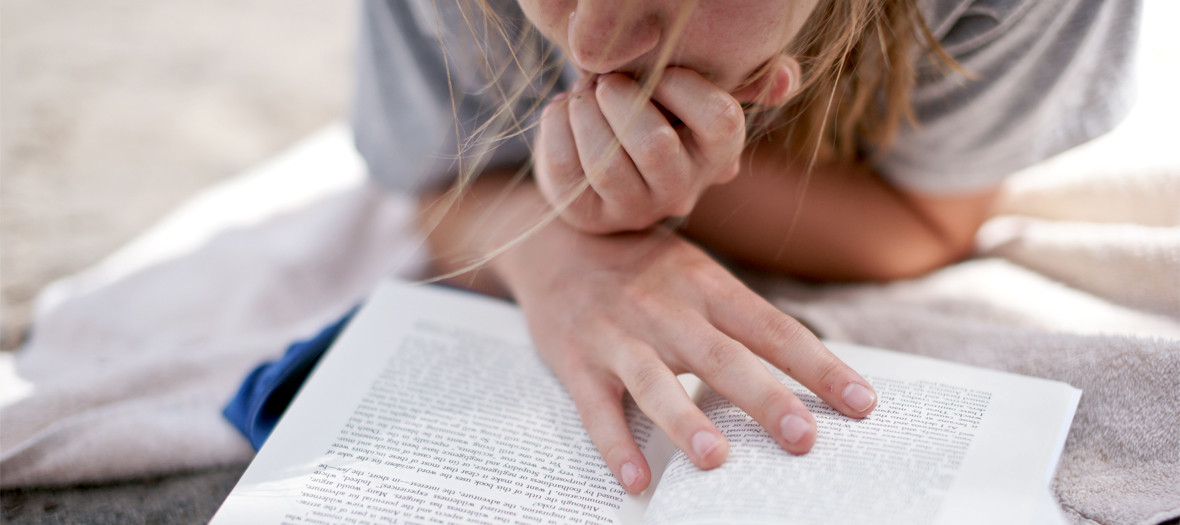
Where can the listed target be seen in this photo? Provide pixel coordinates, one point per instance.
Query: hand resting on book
(627, 312)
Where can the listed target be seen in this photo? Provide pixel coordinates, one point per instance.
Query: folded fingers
(714, 117)
(607, 165)
(651, 142)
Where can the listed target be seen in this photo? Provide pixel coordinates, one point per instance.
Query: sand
(114, 111)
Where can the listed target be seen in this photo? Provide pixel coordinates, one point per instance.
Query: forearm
(493, 213)
(843, 223)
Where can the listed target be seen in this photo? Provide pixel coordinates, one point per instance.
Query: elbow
(911, 260)
(910, 266)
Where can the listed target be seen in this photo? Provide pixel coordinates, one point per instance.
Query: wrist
(469, 234)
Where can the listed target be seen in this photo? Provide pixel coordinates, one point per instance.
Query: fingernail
(629, 473)
(858, 398)
(704, 442)
(793, 428)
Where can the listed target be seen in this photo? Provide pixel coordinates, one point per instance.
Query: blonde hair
(860, 63)
(858, 60)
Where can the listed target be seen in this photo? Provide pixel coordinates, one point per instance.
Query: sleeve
(411, 60)
(1048, 75)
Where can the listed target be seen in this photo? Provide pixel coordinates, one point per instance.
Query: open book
(432, 407)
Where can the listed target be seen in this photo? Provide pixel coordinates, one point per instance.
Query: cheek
(731, 55)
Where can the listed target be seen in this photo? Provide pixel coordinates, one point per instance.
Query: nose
(606, 35)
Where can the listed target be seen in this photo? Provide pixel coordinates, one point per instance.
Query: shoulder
(964, 26)
(422, 76)
(1044, 76)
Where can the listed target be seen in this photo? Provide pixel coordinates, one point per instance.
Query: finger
(736, 373)
(715, 118)
(791, 347)
(601, 407)
(659, 395)
(558, 168)
(651, 142)
(606, 165)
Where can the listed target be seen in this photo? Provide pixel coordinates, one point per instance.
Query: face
(725, 40)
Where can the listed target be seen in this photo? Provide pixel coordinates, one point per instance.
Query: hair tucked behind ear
(859, 61)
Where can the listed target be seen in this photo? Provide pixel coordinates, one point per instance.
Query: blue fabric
(268, 389)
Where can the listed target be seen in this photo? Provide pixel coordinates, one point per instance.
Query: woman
(876, 136)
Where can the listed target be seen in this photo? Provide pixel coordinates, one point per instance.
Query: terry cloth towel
(130, 362)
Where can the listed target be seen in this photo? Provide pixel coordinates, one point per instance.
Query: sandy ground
(114, 111)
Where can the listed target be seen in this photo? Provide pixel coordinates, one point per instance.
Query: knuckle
(564, 163)
(646, 381)
(607, 178)
(710, 277)
(704, 274)
(642, 299)
(730, 120)
(720, 354)
(657, 147)
(782, 331)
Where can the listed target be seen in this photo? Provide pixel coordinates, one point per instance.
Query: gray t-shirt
(1049, 75)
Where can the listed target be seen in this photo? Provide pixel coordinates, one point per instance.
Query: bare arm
(627, 312)
(844, 224)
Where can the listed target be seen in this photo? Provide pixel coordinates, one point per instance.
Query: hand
(641, 166)
(626, 313)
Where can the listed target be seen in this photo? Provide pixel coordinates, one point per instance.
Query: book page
(433, 406)
(947, 443)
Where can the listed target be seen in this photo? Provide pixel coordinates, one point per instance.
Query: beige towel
(130, 362)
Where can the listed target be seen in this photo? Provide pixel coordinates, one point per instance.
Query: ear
(779, 82)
